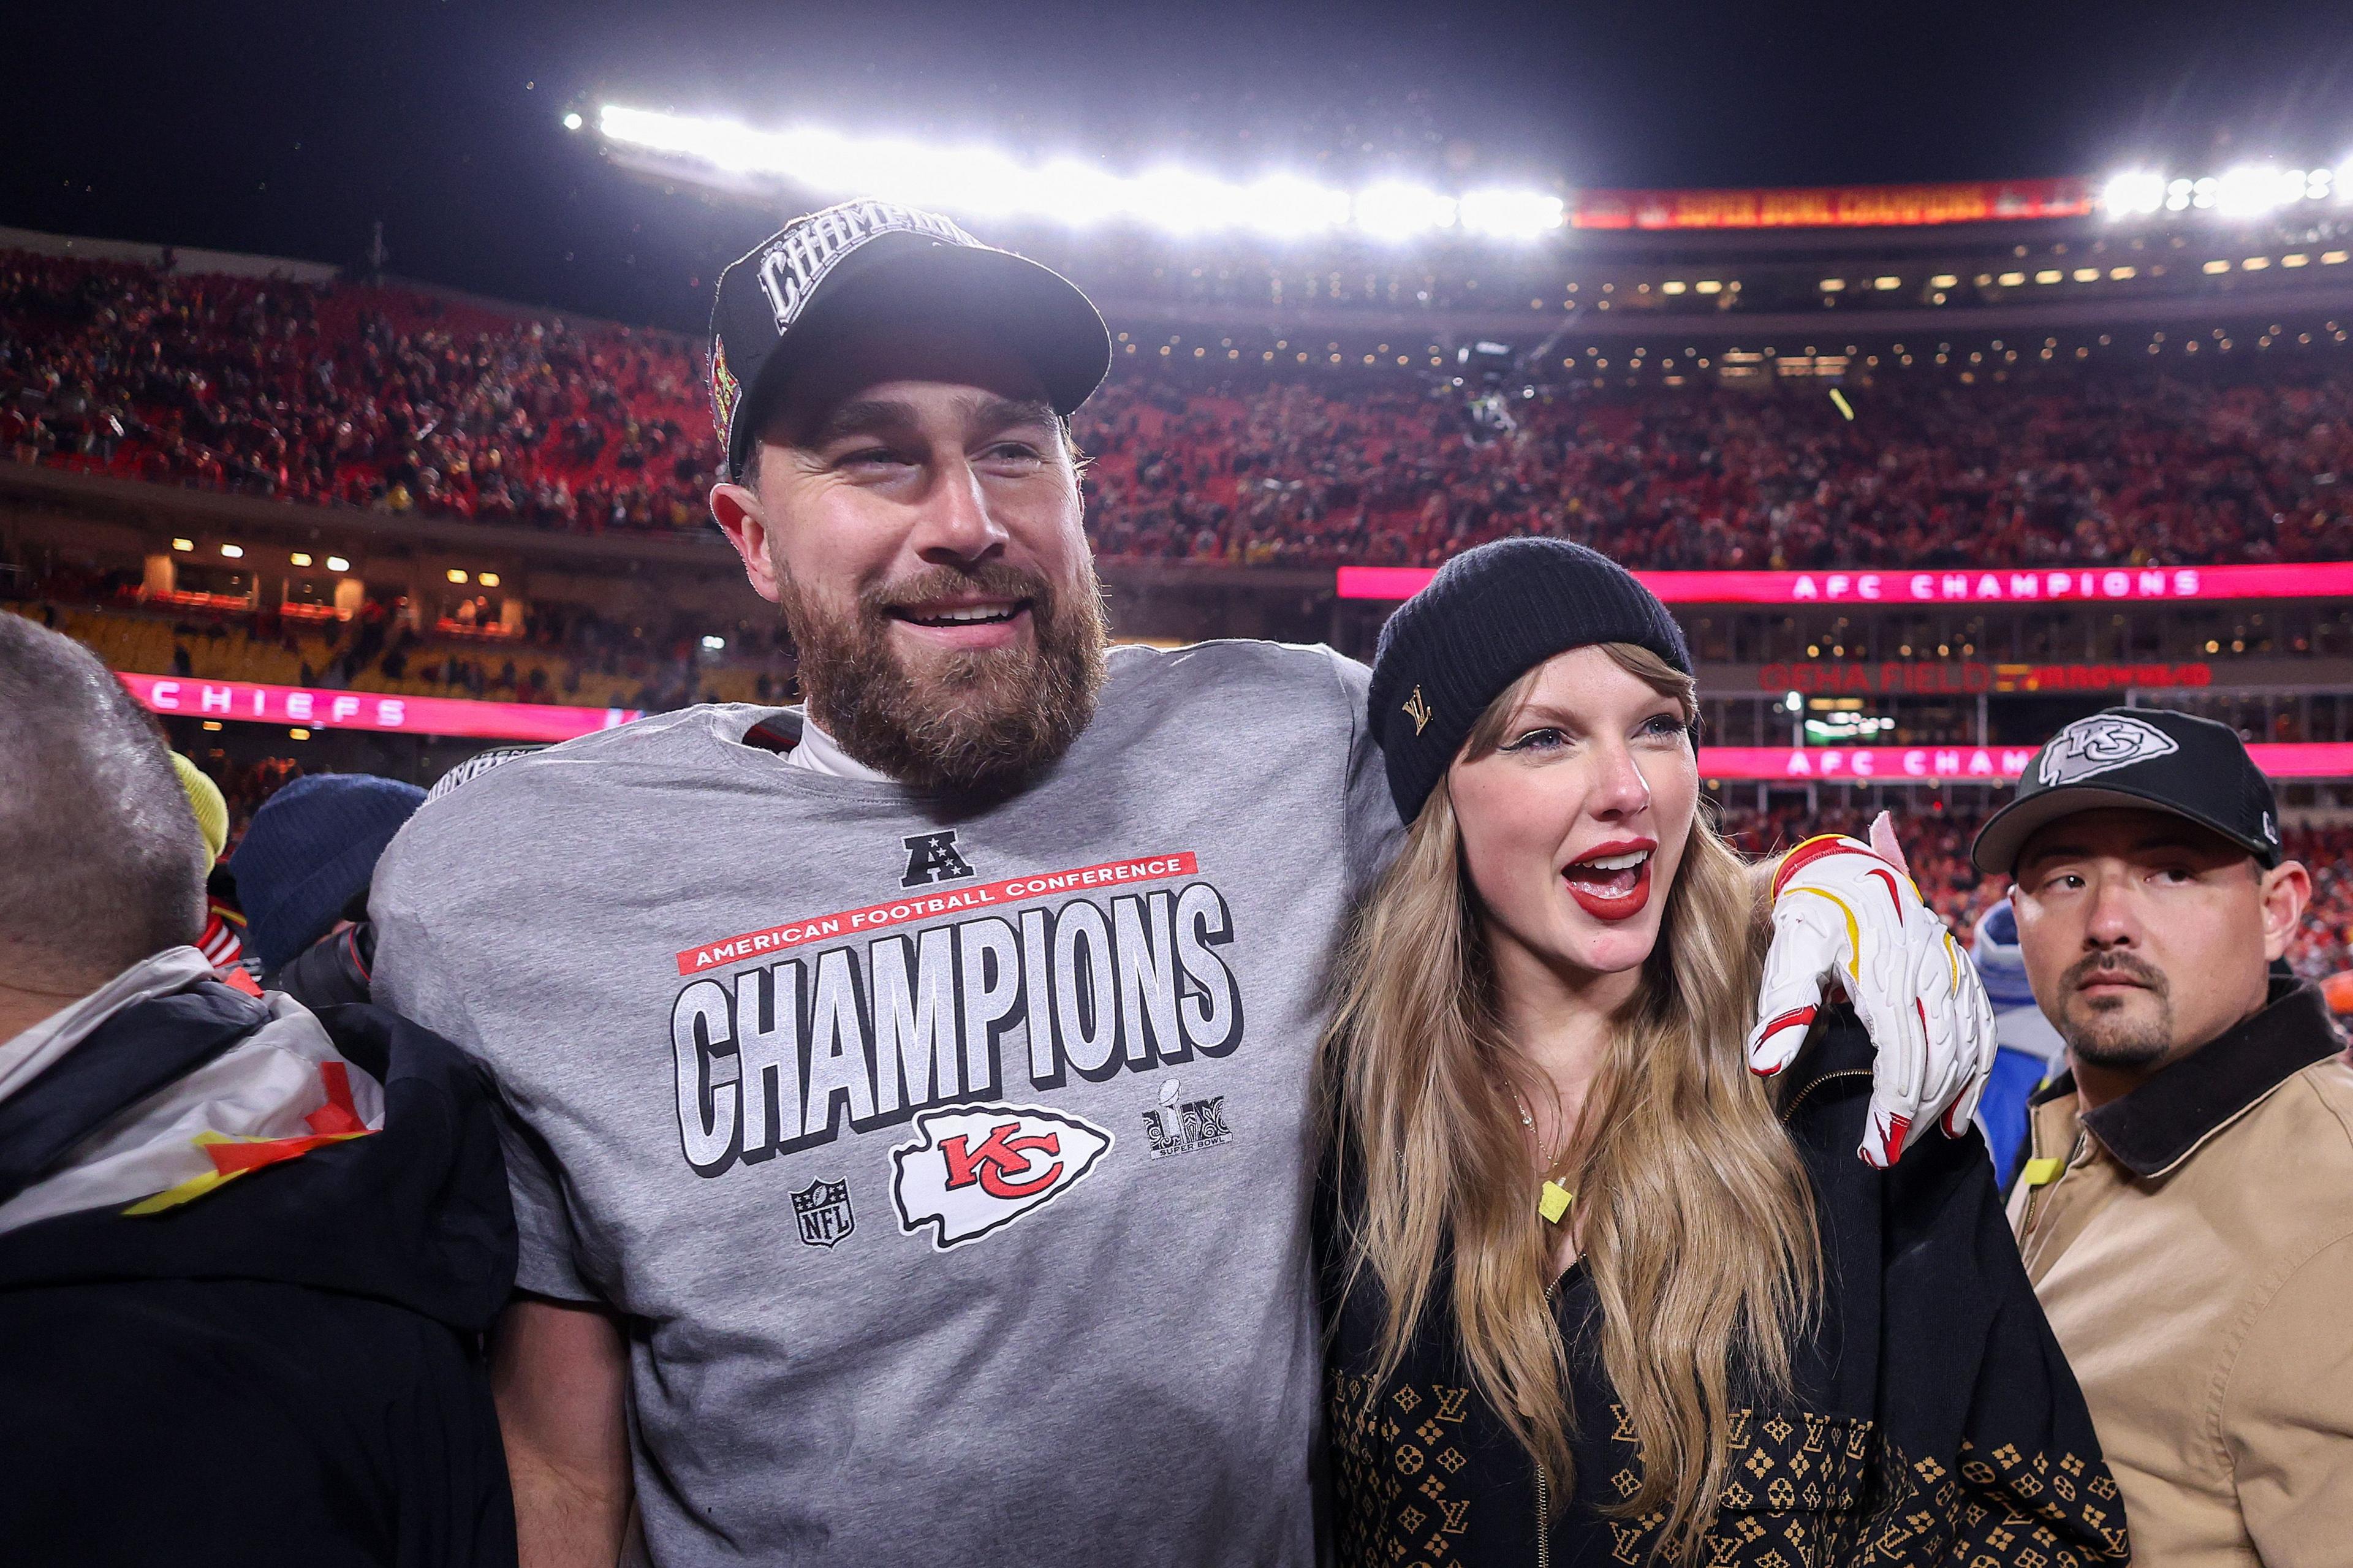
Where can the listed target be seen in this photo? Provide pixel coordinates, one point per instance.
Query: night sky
(287, 131)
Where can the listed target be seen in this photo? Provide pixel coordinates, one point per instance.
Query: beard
(972, 723)
(2118, 1032)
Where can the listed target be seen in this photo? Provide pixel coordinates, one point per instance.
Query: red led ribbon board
(183, 696)
(1833, 206)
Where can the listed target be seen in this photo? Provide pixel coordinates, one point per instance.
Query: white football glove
(1846, 913)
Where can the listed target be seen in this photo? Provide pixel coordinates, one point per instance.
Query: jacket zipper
(1799, 1098)
(1543, 1484)
(1543, 1513)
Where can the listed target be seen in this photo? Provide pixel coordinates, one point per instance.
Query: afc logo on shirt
(934, 858)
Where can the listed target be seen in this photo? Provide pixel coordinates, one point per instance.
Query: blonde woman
(1599, 1294)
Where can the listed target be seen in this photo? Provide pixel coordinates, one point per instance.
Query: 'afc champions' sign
(1948, 586)
(183, 696)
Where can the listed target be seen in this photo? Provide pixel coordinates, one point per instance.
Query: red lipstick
(1617, 892)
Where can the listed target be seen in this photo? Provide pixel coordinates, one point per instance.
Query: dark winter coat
(1934, 1419)
(286, 1370)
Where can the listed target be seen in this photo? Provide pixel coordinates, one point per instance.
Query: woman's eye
(1538, 741)
(1667, 726)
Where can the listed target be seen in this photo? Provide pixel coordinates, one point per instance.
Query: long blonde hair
(1694, 1215)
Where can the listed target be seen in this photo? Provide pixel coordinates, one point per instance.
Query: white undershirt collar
(821, 753)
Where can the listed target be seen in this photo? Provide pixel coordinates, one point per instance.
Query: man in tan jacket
(2185, 1207)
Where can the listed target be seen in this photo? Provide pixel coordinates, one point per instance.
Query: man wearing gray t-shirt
(907, 1096)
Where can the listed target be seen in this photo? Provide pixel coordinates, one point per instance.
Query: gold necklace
(1552, 1198)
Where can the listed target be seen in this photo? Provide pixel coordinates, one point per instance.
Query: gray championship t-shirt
(951, 1171)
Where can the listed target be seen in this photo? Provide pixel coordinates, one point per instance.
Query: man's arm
(2287, 1412)
(560, 1373)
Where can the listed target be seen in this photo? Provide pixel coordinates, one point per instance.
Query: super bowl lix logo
(975, 1169)
(1180, 1126)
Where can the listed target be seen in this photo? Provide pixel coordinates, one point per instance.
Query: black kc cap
(2146, 759)
(870, 264)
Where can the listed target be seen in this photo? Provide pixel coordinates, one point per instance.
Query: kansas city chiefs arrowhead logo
(2100, 744)
(974, 1169)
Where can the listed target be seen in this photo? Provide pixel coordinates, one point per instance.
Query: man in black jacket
(246, 1255)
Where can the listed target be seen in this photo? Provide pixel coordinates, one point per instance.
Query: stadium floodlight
(1177, 200)
(2133, 192)
(1512, 215)
(1072, 192)
(2252, 189)
(985, 181)
(1289, 206)
(1393, 209)
(572, 122)
(2248, 190)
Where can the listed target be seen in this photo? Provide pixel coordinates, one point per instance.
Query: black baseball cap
(867, 264)
(2143, 759)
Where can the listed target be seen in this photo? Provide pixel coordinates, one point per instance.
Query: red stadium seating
(393, 399)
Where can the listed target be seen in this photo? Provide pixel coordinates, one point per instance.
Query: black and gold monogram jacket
(1934, 1420)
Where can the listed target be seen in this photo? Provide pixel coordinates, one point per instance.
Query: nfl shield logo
(823, 1209)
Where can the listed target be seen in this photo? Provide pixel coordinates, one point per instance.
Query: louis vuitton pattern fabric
(1804, 1490)
(1397, 1462)
(2006, 1509)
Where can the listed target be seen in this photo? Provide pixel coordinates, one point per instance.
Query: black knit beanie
(1490, 616)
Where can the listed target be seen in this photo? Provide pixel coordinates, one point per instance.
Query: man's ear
(2287, 890)
(736, 509)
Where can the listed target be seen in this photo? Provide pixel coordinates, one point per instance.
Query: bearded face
(953, 719)
(916, 514)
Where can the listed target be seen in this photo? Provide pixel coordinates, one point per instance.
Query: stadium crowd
(2057, 467)
(366, 396)
(388, 398)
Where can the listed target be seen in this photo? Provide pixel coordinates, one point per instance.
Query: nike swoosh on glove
(1844, 913)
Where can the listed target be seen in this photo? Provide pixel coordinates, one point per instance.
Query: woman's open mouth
(1613, 882)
